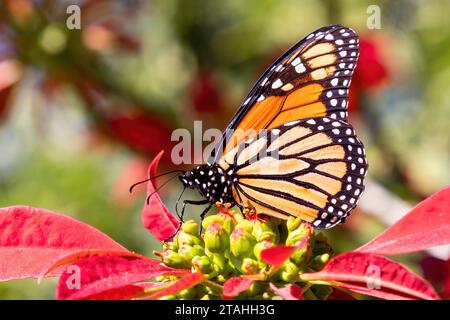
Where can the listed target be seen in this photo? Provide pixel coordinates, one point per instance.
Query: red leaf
(277, 255)
(188, 281)
(437, 271)
(70, 258)
(340, 295)
(205, 93)
(30, 238)
(123, 293)
(135, 291)
(446, 288)
(98, 274)
(235, 286)
(155, 215)
(434, 269)
(425, 226)
(373, 275)
(289, 292)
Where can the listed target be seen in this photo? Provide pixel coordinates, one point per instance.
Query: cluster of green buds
(231, 245)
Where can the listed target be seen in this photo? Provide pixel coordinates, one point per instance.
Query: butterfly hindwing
(313, 169)
(310, 80)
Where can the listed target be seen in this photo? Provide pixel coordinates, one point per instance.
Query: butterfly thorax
(211, 181)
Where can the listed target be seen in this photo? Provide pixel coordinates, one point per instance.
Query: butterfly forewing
(309, 80)
(313, 169)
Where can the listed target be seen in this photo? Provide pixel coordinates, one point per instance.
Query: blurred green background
(83, 111)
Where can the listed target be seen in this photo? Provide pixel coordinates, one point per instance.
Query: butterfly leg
(186, 202)
(202, 216)
(194, 202)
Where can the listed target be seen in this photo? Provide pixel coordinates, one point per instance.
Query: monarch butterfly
(314, 165)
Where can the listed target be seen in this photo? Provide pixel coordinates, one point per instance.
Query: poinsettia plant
(233, 258)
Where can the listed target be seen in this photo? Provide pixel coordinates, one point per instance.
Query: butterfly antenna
(157, 176)
(159, 188)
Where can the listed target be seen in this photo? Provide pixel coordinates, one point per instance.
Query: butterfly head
(188, 178)
(196, 179)
(209, 180)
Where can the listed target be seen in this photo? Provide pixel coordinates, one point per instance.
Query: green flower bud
(186, 238)
(209, 220)
(173, 246)
(245, 225)
(324, 258)
(216, 239)
(221, 264)
(228, 217)
(174, 260)
(202, 264)
(228, 224)
(319, 261)
(301, 257)
(300, 234)
(239, 218)
(267, 296)
(303, 232)
(293, 223)
(190, 227)
(250, 266)
(242, 243)
(265, 230)
(289, 272)
(291, 268)
(221, 278)
(188, 252)
(188, 294)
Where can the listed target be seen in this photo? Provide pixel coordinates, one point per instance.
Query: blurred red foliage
(372, 71)
(205, 93)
